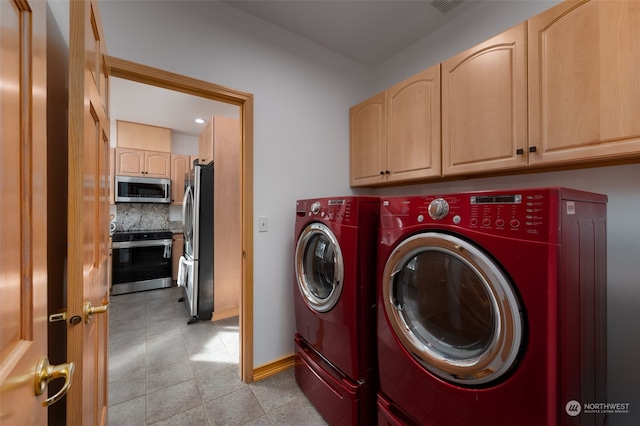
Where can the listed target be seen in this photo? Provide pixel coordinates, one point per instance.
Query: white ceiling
(366, 31)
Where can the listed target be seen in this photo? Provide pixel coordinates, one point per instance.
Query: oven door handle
(145, 243)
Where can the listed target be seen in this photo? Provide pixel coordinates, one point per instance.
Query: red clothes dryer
(334, 296)
(492, 308)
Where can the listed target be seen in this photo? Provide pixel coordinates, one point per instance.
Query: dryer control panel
(531, 214)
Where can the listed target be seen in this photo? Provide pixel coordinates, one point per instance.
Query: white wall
(302, 94)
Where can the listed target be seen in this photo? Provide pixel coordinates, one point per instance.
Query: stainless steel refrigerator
(195, 273)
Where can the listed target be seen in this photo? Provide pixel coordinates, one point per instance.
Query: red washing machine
(492, 308)
(335, 296)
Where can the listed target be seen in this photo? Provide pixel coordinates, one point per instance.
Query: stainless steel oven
(141, 261)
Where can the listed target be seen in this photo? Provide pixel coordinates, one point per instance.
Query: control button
(514, 223)
(500, 223)
(474, 221)
(438, 208)
(486, 221)
(315, 207)
(420, 218)
(457, 219)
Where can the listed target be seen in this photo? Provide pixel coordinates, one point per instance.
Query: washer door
(319, 267)
(452, 308)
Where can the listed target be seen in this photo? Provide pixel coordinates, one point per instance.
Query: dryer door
(319, 267)
(452, 308)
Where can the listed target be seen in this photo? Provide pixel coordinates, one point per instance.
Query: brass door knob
(46, 372)
(90, 310)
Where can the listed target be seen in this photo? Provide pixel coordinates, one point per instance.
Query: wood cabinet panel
(227, 213)
(484, 115)
(176, 251)
(158, 164)
(143, 137)
(367, 147)
(584, 90)
(413, 127)
(133, 162)
(180, 165)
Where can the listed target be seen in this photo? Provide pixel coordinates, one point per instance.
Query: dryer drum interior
(452, 308)
(319, 267)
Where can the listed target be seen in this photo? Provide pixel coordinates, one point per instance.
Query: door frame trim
(167, 80)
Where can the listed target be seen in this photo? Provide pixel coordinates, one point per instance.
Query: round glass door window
(319, 267)
(452, 308)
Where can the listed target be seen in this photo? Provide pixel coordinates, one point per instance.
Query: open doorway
(131, 71)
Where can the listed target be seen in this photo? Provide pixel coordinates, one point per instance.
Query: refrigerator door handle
(183, 270)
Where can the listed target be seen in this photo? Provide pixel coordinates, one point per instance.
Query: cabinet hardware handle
(519, 151)
(381, 173)
(532, 149)
(387, 172)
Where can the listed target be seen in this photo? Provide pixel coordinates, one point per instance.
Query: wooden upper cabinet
(134, 162)
(143, 137)
(413, 127)
(484, 106)
(180, 165)
(584, 84)
(367, 142)
(205, 143)
(395, 135)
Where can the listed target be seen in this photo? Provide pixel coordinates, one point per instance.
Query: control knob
(315, 207)
(438, 208)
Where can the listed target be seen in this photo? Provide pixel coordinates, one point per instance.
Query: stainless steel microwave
(131, 189)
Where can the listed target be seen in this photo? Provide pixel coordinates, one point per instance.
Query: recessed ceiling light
(199, 120)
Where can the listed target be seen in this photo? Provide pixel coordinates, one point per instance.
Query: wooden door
(484, 106)
(23, 213)
(584, 90)
(413, 127)
(367, 142)
(88, 216)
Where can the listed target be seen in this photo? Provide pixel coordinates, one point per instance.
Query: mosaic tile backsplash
(144, 217)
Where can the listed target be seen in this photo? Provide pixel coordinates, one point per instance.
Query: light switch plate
(263, 224)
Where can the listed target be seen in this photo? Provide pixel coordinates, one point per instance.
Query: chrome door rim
(501, 353)
(316, 303)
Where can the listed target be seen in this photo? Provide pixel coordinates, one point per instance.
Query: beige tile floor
(163, 371)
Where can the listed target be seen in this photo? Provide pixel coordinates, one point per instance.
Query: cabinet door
(179, 167)
(158, 164)
(205, 143)
(367, 142)
(129, 162)
(176, 252)
(413, 127)
(584, 85)
(484, 101)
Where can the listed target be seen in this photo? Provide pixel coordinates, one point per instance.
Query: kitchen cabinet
(143, 137)
(217, 129)
(177, 248)
(484, 106)
(112, 174)
(227, 213)
(180, 165)
(134, 162)
(584, 90)
(395, 135)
